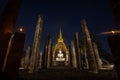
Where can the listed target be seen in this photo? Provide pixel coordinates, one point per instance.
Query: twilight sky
(66, 14)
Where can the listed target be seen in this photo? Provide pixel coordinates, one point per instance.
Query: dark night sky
(67, 14)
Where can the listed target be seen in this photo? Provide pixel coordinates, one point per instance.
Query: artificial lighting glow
(110, 32)
(113, 32)
(21, 29)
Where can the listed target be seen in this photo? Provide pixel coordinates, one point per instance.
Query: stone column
(69, 62)
(98, 60)
(27, 57)
(40, 60)
(53, 58)
(22, 63)
(11, 69)
(67, 59)
(70, 54)
(49, 54)
(91, 56)
(36, 45)
(7, 24)
(73, 54)
(78, 51)
(86, 58)
(8, 51)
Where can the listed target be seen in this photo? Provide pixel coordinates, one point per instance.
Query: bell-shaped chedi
(60, 52)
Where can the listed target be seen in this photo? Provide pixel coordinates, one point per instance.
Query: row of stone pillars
(88, 58)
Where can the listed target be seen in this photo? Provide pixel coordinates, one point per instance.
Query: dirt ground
(69, 75)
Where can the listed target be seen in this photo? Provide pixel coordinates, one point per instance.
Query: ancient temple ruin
(61, 56)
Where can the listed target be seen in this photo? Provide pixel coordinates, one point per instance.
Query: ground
(62, 74)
